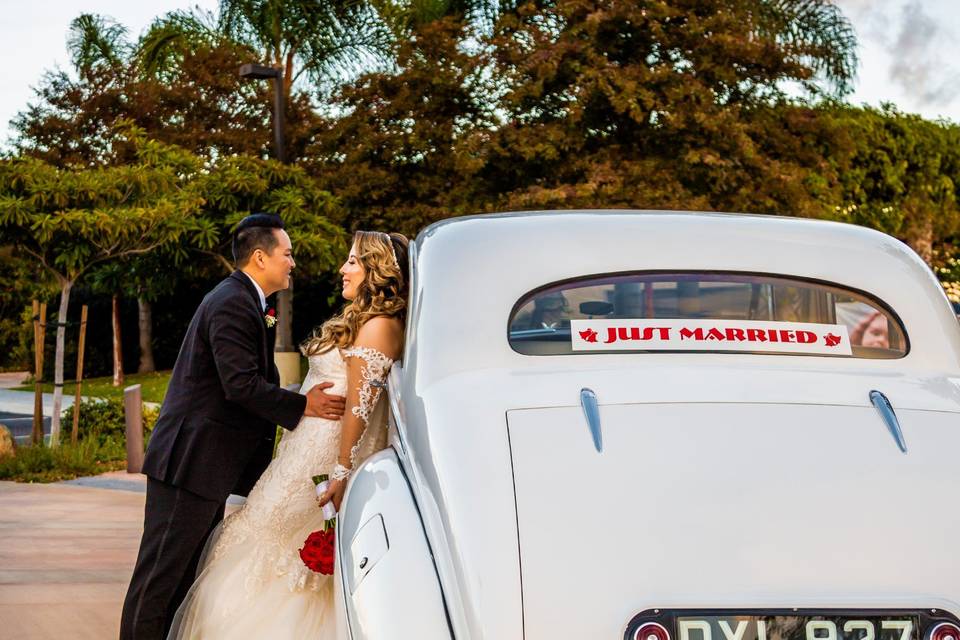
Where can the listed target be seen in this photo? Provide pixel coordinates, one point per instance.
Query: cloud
(871, 18)
(917, 44)
(918, 64)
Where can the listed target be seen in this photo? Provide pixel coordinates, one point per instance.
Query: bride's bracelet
(340, 472)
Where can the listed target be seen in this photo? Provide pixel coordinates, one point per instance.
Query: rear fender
(387, 585)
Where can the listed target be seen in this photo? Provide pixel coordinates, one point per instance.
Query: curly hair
(383, 291)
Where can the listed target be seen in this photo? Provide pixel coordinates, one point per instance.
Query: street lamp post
(261, 72)
(286, 356)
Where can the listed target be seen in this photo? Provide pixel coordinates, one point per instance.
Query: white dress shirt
(263, 298)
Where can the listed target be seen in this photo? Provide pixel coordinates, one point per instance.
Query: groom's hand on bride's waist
(324, 405)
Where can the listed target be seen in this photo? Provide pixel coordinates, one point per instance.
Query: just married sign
(709, 335)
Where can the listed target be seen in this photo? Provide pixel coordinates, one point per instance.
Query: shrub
(103, 420)
(46, 464)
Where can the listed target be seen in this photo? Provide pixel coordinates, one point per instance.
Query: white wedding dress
(251, 583)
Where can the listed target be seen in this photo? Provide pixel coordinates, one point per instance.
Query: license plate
(787, 624)
(795, 627)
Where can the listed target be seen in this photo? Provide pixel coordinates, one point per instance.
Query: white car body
(731, 481)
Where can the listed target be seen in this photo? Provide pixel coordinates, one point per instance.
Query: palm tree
(821, 35)
(97, 44)
(324, 42)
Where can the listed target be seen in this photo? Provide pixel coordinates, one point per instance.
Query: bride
(252, 582)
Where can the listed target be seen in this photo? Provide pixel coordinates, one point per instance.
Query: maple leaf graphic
(589, 335)
(831, 340)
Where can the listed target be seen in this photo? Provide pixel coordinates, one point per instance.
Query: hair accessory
(393, 251)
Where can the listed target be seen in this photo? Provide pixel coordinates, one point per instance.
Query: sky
(909, 49)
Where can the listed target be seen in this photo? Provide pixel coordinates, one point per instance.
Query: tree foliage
(193, 99)
(898, 173)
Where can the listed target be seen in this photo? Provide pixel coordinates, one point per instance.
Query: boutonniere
(271, 317)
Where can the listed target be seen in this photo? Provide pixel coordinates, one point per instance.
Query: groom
(216, 427)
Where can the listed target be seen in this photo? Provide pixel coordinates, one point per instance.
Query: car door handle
(591, 411)
(883, 405)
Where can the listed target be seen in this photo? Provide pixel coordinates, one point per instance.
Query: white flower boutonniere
(270, 318)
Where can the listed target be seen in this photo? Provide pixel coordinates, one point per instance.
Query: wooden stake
(76, 400)
(39, 336)
(117, 345)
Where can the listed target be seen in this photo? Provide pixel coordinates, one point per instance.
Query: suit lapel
(265, 334)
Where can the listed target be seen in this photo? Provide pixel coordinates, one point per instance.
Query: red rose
(272, 312)
(317, 552)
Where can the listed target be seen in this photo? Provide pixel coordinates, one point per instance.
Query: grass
(44, 464)
(153, 386)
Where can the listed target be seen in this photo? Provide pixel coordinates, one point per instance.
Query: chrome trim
(883, 405)
(591, 411)
(393, 398)
(412, 301)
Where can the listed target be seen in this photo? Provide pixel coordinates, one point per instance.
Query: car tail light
(654, 631)
(945, 631)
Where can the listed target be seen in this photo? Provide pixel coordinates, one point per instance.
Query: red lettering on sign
(786, 336)
(806, 337)
(696, 334)
(713, 334)
(756, 335)
(664, 332)
(735, 334)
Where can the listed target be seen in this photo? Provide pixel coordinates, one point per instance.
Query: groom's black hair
(255, 232)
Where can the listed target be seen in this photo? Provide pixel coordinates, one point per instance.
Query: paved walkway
(66, 554)
(13, 378)
(16, 412)
(22, 401)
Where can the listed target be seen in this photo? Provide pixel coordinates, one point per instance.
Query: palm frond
(95, 42)
(162, 46)
(820, 35)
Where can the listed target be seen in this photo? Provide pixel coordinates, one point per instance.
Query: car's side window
(545, 322)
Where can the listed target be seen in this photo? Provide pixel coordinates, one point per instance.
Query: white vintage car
(663, 426)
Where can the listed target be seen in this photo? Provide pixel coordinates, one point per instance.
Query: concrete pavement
(66, 554)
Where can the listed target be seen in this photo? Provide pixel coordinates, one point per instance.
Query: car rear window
(714, 312)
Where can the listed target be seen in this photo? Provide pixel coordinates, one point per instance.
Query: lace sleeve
(373, 378)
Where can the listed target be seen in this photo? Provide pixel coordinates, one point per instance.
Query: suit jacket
(217, 424)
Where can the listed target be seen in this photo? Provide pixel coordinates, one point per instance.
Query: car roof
(471, 271)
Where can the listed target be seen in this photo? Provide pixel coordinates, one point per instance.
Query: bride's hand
(334, 492)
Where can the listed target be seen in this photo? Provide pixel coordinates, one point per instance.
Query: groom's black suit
(214, 437)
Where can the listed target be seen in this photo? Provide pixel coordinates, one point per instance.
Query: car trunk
(724, 505)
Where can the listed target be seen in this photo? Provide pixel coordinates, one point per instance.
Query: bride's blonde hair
(383, 291)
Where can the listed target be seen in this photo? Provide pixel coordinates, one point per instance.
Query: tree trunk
(284, 341)
(117, 347)
(922, 241)
(65, 286)
(146, 337)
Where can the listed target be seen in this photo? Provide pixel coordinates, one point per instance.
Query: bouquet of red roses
(317, 552)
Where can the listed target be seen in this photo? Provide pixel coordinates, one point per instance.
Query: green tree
(898, 173)
(657, 104)
(399, 158)
(69, 220)
(237, 186)
(323, 42)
